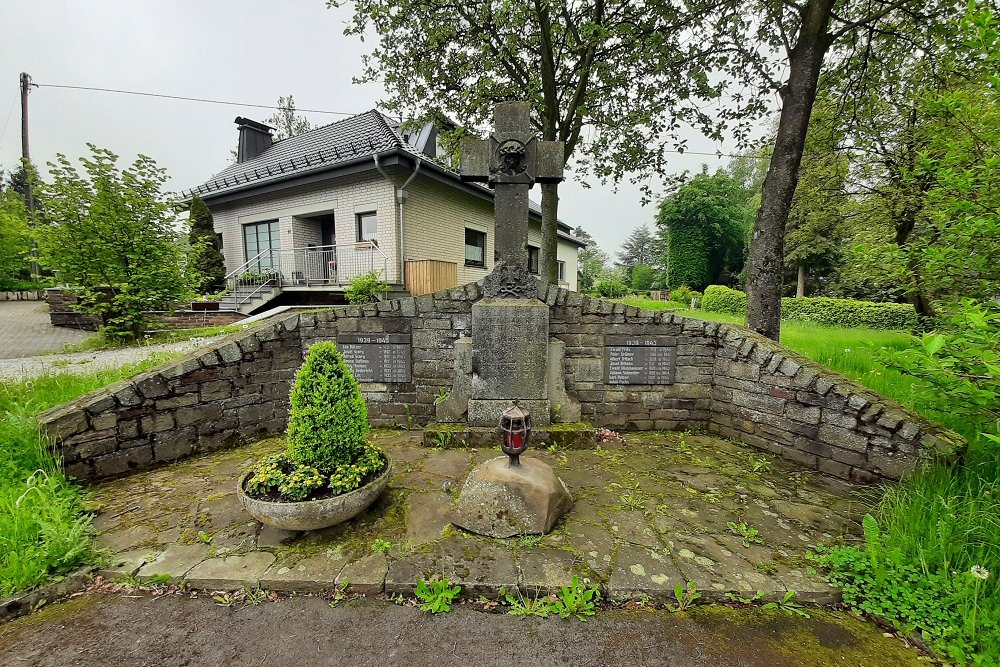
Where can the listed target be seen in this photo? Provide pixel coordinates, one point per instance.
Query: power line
(3, 132)
(187, 99)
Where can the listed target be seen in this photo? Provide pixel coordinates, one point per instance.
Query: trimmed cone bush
(328, 421)
(327, 429)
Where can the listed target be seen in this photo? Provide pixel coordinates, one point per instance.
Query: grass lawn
(935, 526)
(43, 529)
(99, 342)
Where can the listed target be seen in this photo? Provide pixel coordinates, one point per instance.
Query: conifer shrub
(327, 433)
(328, 421)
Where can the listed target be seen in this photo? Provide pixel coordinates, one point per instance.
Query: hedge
(822, 310)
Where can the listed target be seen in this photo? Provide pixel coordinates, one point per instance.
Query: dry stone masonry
(726, 380)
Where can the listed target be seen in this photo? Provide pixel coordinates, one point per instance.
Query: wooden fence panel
(429, 275)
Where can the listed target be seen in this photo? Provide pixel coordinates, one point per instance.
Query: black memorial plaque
(639, 359)
(377, 357)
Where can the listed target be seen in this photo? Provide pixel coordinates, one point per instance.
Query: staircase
(246, 299)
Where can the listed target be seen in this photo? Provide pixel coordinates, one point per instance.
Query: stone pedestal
(510, 339)
(501, 500)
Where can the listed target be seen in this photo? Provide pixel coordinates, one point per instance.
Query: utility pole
(29, 196)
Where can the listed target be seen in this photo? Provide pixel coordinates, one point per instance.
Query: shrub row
(822, 310)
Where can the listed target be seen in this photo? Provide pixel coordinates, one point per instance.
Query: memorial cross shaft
(511, 160)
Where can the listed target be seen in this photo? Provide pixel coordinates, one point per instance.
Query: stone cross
(511, 160)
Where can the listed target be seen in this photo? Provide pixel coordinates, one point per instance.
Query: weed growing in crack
(437, 596)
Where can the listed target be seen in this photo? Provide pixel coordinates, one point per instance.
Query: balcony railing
(328, 265)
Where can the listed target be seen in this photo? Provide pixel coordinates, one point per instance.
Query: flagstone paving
(649, 513)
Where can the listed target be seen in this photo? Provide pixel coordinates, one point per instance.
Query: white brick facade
(434, 217)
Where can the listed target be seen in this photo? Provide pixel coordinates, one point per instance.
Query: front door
(328, 238)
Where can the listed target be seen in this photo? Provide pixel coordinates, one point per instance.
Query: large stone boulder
(504, 500)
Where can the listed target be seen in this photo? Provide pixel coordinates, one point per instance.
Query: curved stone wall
(727, 380)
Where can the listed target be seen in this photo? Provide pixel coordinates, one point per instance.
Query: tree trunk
(765, 263)
(800, 285)
(548, 270)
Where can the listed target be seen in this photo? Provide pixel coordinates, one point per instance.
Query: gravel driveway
(81, 363)
(25, 330)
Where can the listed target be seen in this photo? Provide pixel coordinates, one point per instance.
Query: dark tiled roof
(325, 147)
(322, 148)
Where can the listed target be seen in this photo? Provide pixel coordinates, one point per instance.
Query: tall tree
(592, 261)
(206, 265)
(110, 232)
(286, 121)
(631, 73)
(815, 34)
(702, 230)
(814, 235)
(15, 237)
(637, 248)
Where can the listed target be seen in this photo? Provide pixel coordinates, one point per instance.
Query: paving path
(174, 630)
(649, 514)
(81, 363)
(25, 330)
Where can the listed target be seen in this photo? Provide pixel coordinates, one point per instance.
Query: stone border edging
(373, 575)
(25, 603)
(22, 295)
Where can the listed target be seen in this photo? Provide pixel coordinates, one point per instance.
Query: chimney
(255, 138)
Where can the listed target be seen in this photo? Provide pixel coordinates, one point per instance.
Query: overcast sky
(248, 51)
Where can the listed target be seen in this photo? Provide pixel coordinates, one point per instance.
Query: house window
(562, 270)
(475, 247)
(368, 227)
(258, 238)
(533, 260)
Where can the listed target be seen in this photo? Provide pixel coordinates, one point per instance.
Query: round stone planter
(315, 514)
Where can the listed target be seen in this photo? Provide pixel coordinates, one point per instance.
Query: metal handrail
(310, 265)
(243, 268)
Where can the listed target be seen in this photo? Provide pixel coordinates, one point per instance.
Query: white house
(311, 213)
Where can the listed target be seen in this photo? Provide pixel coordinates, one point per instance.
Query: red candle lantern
(515, 431)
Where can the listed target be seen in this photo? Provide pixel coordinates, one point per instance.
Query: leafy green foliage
(43, 528)
(686, 596)
(637, 249)
(206, 266)
(437, 596)
(958, 366)
(722, 299)
(946, 609)
(643, 277)
(366, 288)
(684, 294)
(849, 313)
(821, 310)
(591, 261)
(381, 546)
(578, 599)
(612, 288)
(15, 239)
(930, 142)
(536, 606)
(749, 534)
(787, 605)
(703, 230)
(110, 232)
(815, 229)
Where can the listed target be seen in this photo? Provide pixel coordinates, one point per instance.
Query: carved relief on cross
(511, 160)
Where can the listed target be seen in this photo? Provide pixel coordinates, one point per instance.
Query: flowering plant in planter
(328, 452)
